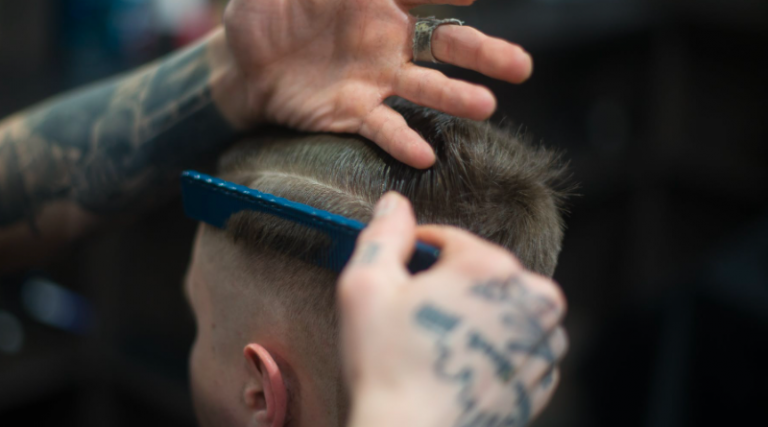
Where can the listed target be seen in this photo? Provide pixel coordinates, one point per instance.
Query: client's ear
(264, 393)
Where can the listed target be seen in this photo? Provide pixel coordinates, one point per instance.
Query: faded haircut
(487, 179)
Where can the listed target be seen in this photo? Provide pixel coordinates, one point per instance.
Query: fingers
(389, 130)
(463, 253)
(542, 393)
(467, 47)
(433, 89)
(540, 373)
(382, 249)
(543, 299)
(536, 363)
(392, 231)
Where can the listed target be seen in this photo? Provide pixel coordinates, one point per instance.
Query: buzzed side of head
(486, 180)
(288, 306)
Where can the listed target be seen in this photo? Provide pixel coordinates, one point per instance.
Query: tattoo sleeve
(109, 148)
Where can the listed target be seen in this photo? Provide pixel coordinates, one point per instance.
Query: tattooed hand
(329, 65)
(474, 341)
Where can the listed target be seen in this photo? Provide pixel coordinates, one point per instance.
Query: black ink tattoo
(512, 291)
(432, 318)
(369, 254)
(114, 146)
(523, 314)
(496, 290)
(504, 368)
(492, 419)
(519, 312)
(445, 325)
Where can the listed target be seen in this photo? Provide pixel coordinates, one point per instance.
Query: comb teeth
(214, 201)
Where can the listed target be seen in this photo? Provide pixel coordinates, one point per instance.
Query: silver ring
(422, 37)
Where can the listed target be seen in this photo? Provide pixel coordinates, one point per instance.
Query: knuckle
(559, 298)
(555, 294)
(476, 38)
(342, 107)
(560, 342)
(547, 297)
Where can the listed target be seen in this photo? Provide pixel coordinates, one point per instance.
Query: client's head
(266, 350)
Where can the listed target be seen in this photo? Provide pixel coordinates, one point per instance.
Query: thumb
(382, 250)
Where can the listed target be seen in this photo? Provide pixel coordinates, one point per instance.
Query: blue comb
(214, 201)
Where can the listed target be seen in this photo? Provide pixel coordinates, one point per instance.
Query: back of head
(486, 180)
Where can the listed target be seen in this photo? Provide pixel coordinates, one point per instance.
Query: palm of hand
(329, 65)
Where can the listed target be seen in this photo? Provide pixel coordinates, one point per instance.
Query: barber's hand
(475, 340)
(329, 65)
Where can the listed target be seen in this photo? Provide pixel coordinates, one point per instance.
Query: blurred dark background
(661, 107)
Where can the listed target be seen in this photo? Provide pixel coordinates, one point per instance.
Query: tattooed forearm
(110, 147)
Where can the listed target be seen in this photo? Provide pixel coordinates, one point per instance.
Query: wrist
(228, 84)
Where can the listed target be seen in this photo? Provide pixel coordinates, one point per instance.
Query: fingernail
(385, 205)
